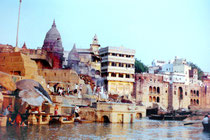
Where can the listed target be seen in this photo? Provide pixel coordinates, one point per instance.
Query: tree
(140, 67)
(194, 66)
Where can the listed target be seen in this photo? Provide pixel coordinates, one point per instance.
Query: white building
(156, 66)
(176, 70)
(117, 67)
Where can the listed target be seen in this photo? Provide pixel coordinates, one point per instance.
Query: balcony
(116, 69)
(118, 59)
(120, 79)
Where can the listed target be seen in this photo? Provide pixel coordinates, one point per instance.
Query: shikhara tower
(53, 46)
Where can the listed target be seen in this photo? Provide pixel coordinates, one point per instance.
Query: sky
(156, 29)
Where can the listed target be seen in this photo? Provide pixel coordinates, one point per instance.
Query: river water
(143, 129)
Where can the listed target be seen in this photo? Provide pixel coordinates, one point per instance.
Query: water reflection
(142, 129)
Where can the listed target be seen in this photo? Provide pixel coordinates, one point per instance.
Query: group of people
(99, 91)
(61, 91)
(15, 118)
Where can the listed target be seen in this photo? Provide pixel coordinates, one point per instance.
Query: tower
(95, 46)
(73, 59)
(53, 46)
(16, 47)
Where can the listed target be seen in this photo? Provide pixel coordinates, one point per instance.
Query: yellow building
(117, 68)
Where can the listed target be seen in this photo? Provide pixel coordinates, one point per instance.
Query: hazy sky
(156, 29)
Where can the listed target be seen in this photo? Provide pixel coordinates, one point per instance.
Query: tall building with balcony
(117, 68)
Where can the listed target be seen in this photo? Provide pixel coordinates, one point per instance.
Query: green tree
(194, 66)
(140, 67)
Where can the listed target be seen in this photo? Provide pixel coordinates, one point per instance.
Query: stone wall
(120, 88)
(20, 66)
(59, 75)
(114, 112)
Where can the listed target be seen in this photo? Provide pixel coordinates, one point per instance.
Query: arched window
(154, 99)
(158, 99)
(197, 93)
(191, 101)
(150, 99)
(150, 89)
(194, 101)
(197, 102)
(180, 93)
(154, 89)
(158, 90)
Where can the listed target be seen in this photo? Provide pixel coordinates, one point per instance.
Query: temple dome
(52, 40)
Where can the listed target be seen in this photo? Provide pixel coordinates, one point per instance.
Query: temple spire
(24, 46)
(54, 25)
(74, 46)
(95, 39)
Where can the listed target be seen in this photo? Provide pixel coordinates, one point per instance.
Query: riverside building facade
(117, 69)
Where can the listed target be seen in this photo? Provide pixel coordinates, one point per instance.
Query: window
(154, 99)
(158, 90)
(127, 76)
(128, 65)
(154, 90)
(197, 93)
(158, 99)
(114, 54)
(113, 74)
(150, 89)
(197, 101)
(120, 65)
(191, 92)
(113, 64)
(150, 99)
(121, 75)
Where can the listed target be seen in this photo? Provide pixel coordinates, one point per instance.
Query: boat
(168, 117)
(156, 117)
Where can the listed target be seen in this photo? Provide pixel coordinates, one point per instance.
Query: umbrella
(6, 81)
(32, 92)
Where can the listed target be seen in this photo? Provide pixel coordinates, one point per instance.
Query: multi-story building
(154, 90)
(175, 71)
(150, 90)
(117, 68)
